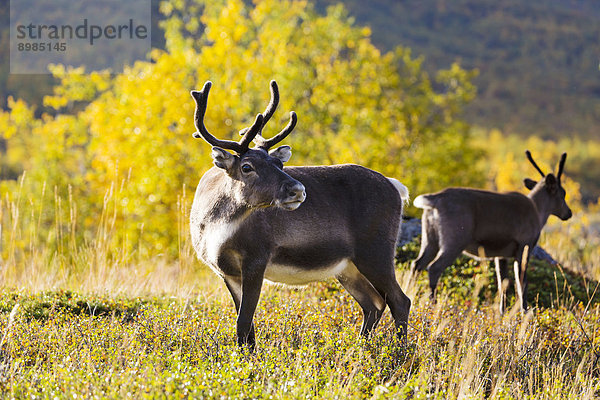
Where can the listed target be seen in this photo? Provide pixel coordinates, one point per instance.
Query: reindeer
(485, 224)
(252, 219)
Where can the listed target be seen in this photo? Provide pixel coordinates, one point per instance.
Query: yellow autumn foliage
(123, 142)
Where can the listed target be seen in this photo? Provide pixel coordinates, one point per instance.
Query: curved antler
(201, 98)
(561, 165)
(272, 106)
(530, 158)
(266, 144)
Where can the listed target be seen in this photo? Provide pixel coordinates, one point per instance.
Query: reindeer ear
(283, 153)
(529, 183)
(222, 159)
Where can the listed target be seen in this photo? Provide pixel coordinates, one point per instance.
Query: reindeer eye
(247, 168)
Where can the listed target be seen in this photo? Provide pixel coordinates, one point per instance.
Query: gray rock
(411, 228)
(541, 254)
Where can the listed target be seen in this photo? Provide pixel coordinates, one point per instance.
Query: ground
(115, 344)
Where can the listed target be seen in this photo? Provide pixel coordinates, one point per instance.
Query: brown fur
(252, 219)
(489, 224)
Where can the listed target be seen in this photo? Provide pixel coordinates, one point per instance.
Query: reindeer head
(550, 189)
(256, 175)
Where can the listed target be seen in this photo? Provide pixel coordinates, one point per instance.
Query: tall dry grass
(42, 248)
(576, 243)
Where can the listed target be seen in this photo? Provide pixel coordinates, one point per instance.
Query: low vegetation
(140, 341)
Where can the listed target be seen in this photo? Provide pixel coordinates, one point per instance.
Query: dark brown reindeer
(485, 224)
(252, 219)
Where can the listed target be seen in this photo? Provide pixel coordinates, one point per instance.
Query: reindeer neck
(225, 209)
(542, 204)
(215, 203)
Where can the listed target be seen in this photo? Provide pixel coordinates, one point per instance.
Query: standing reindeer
(253, 219)
(495, 225)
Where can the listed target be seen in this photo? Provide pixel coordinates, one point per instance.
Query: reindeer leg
(377, 266)
(443, 259)
(429, 244)
(520, 267)
(252, 279)
(364, 293)
(501, 275)
(451, 243)
(234, 285)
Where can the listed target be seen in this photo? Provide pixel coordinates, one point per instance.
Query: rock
(541, 254)
(411, 228)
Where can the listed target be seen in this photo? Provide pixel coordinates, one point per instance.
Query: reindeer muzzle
(292, 195)
(566, 215)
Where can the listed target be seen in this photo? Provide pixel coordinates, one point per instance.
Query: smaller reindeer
(487, 225)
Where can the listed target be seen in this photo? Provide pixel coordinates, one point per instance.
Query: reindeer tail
(424, 201)
(403, 190)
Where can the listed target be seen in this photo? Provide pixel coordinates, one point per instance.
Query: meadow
(85, 323)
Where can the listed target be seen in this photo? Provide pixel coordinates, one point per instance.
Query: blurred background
(98, 169)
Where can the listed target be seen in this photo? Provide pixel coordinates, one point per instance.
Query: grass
(104, 344)
(97, 324)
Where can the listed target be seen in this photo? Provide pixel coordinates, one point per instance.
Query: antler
(266, 144)
(272, 106)
(528, 153)
(201, 98)
(561, 165)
